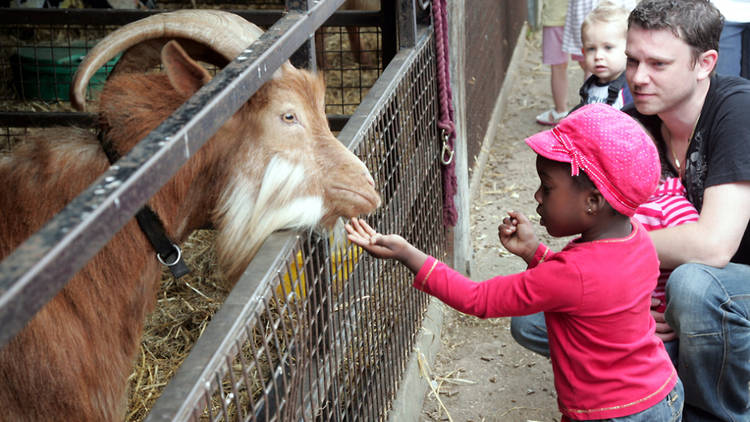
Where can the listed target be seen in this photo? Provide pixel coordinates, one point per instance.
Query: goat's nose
(369, 178)
(366, 173)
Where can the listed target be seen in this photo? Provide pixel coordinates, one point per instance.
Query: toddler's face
(604, 50)
(562, 204)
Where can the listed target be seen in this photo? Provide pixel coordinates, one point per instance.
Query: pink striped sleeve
(671, 208)
(678, 210)
(650, 215)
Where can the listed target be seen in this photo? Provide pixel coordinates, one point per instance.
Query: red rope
(445, 121)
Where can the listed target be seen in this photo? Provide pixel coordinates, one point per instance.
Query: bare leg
(559, 83)
(363, 58)
(320, 56)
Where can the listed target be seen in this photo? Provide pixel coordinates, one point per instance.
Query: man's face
(660, 70)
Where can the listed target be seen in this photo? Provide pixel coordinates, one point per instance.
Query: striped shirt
(667, 207)
(577, 11)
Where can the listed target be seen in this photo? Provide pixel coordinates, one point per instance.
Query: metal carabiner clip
(445, 150)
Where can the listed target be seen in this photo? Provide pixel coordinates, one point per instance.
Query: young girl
(596, 167)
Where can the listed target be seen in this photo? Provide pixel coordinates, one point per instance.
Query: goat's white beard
(248, 212)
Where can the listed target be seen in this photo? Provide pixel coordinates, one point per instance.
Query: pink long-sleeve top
(595, 295)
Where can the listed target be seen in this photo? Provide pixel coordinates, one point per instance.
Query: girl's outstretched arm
(390, 246)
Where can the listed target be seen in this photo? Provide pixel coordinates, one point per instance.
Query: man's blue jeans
(734, 49)
(709, 308)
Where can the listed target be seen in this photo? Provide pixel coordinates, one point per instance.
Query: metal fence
(313, 329)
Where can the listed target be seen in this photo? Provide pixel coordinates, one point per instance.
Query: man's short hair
(697, 22)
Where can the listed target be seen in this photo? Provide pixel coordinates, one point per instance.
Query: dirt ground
(480, 372)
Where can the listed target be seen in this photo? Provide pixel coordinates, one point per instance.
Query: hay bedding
(184, 309)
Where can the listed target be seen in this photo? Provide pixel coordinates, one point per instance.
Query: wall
(492, 29)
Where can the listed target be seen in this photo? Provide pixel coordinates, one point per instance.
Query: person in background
(603, 34)
(734, 44)
(577, 11)
(553, 19)
(596, 167)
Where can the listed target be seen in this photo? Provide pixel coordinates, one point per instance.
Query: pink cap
(613, 149)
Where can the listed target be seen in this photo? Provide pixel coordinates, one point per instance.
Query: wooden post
(461, 232)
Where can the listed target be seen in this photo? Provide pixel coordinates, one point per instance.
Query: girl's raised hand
(517, 235)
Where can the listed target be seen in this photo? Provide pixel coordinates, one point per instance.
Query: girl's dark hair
(697, 22)
(582, 181)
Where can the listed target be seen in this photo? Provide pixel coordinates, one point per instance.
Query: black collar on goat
(167, 252)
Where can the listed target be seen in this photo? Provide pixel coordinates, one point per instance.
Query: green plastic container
(45, 73)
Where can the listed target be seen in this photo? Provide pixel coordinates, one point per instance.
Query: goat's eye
(289, 117)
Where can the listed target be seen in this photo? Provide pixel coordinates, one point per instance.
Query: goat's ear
(185, 74)
(285, 67)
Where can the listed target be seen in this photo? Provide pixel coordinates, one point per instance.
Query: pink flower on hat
(614, 151)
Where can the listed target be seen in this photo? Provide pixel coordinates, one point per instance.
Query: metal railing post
(304, 57)
(407, 24)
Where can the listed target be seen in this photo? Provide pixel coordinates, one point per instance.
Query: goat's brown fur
(72, 360)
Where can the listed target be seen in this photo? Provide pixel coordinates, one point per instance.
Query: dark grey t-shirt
(719, 151)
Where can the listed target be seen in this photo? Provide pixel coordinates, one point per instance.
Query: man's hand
(663, 330)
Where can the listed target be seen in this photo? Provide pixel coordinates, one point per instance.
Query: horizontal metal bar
(46, 119)
(355, 17)
(102, 17)
(23, 119)
(33, 273)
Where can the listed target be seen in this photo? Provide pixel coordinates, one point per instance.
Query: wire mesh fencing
(316, 329)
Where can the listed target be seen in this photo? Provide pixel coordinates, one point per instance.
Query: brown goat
(273, 165)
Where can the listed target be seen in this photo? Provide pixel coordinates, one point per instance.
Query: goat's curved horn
(226, 33)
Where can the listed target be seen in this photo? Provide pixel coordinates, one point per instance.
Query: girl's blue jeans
(667, 410)
(709, 308)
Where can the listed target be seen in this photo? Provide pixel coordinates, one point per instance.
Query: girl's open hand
(385, 246)
(389, 246)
